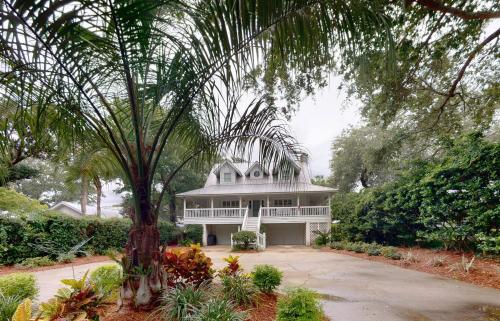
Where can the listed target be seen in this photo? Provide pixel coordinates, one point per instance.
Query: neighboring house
(74, 210)
(281, 209)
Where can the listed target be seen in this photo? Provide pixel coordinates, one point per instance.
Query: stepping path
(352, 289)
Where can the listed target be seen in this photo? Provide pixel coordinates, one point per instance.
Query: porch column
(205, 235)
(241, 206)
(185, 207)
(212, 206)
(308, 234)
(298, 204)
(268, 201)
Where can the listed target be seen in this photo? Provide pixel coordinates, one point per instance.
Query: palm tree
(145, 74)
(92, 164)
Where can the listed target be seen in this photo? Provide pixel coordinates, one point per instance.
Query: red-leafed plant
(187, 266)
(233, 266)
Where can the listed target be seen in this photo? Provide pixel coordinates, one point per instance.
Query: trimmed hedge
(61, 232)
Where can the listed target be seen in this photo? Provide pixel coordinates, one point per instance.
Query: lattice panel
(323, 227)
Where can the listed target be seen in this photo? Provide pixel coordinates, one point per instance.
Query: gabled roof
(106, 211)
(301, 182)
(66, 204)
(249, 170)
(217, 170)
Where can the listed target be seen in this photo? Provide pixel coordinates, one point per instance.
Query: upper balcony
(295, 214)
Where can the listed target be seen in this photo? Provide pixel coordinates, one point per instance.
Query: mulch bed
(265, 310)
(78, 261)
(485, 272)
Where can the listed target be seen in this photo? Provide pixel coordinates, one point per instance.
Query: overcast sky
(319, 120)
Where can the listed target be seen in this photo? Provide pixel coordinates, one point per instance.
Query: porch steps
(251, 224)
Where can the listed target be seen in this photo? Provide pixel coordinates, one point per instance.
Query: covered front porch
(233, 209)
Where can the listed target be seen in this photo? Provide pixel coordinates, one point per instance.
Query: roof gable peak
(230, 164)
(256, 164)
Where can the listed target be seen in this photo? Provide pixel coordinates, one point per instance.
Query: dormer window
(256, 171)
(227, 173)
(227, 177)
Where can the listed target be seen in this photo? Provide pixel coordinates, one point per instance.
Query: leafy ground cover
(196, 292)
(484, 271)
(264, 311)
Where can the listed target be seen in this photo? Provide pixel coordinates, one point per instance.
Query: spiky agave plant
(144, 74)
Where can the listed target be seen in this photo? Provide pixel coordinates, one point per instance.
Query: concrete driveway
(353, 289)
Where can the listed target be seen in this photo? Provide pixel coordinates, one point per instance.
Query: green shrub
(451, 203)
(59, 233)
(390, 252)
(17, 203)
(266, 277)
(107, 278)
(21, 285)
(244, 239)
(372, 249)
(299, 305)
(8, 306)
(107, 233)
(52, 233)
(15, 239)
(168, 232)
(183, 301)
(34, 262)
(357, 247)
(322, 238)
(194, 232)
(338, 245)
(219, 310)
(239, 288)
(488, 244)
(337, 234)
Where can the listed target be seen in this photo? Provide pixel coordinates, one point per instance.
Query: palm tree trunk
(144, 264)
(84, 193)
(98, 188)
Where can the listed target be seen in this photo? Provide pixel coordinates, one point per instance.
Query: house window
(256, 173)
(230, 204)
(227, 178)
(282, 203)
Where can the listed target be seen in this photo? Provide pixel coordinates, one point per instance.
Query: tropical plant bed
(484, 272)
(7, 269)
(264, 311)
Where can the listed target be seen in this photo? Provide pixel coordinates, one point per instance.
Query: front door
(255, 208)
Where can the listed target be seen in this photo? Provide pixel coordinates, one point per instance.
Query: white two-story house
(247, 196)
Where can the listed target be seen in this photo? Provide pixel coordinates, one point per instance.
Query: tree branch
(460, 75)
(466, 15)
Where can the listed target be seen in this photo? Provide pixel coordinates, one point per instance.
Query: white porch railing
(295, 211)
(214, 212)
(259, 219)
(245, 219)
